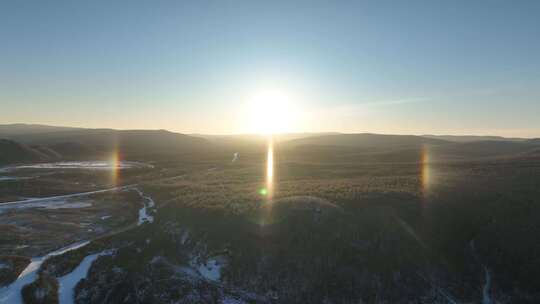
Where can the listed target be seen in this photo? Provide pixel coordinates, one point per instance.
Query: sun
(271, 112)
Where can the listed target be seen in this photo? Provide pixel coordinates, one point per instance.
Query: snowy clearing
(211, 269)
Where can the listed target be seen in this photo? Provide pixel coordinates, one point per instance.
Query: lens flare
(425, 171)
(115, 167)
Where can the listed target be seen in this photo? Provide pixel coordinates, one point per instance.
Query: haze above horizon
(415, 67)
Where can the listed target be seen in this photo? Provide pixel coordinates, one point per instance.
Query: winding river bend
(12, 293)
(486, 290)
(144, 216)
(67, 283)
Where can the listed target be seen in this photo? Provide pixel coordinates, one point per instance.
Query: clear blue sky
(410, 67)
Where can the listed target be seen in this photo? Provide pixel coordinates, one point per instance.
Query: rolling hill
(367, 141)
(9, 130)
(471, 138)
(406, 148)
(11, 151)
(76, 143)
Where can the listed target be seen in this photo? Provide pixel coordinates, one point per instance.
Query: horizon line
(260, 134)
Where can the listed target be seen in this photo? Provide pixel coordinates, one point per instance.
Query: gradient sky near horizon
(403, 67)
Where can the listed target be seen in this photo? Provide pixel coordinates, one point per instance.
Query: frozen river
(91, 165)
(67, 283)
(12, 293)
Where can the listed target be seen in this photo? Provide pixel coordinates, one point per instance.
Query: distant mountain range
(368, 141)
(409, 147)
(27, 143)
(45, 143)
(9, 130)
(470, 138)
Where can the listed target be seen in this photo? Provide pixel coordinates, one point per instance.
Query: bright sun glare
(271, 112)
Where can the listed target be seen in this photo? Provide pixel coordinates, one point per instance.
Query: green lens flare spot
(263, 191)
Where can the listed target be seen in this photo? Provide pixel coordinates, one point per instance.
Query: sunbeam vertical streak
(115, 167)
(425, 171)
(270, 168)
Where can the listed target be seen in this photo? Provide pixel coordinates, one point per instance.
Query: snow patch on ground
(184, 237)
(67, 283)
(12, 293)
(156, 259)
(211, 269)
(231, 301)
